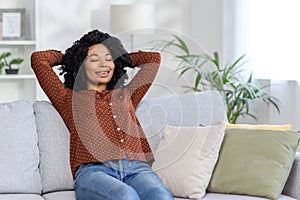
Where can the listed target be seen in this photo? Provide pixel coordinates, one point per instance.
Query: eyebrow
(95, 54)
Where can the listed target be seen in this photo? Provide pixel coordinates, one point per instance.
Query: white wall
(200, 21)
(205, 23)
(60, 23)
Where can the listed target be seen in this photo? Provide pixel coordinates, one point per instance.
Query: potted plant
(4, 63)
(229, 80)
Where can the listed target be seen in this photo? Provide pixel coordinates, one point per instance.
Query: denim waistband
(118, 168)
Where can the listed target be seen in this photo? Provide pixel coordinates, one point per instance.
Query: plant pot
(11, 71)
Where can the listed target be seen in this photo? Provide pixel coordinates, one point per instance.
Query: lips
(102, 74)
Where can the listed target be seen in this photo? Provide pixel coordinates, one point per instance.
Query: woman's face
(99, 67)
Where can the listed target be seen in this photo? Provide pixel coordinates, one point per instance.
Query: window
(268, 31)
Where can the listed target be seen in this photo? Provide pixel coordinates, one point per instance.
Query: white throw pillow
(186, 157)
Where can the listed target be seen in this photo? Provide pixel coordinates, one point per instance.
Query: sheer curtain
(267, 32)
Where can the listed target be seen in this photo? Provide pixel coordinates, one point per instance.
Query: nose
(101, 62)
(103, 66)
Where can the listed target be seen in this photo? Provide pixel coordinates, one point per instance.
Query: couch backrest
(19, 153)
(191, 109)
(54, 140)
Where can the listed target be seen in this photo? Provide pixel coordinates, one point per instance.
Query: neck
(98, 88)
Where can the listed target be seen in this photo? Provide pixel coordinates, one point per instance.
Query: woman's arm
(149, 63)
(42, 63)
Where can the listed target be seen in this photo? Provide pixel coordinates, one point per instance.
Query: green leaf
(183, 71)
(5, 55)
(216, 59)
(182, 45)
(16, 61)
(237, 61)
(197, 81)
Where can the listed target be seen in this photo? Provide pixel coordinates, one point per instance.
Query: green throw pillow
(254, 162)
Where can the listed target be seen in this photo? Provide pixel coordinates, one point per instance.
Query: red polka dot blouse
(103, 125)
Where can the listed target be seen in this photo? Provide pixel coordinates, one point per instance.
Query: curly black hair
(72, 62)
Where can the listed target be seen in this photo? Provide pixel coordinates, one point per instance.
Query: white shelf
(17, 42)
(23, 85)
(17, 76)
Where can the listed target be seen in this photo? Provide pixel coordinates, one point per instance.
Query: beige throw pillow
(186, 157)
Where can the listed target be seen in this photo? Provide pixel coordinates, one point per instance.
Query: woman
(109, 153)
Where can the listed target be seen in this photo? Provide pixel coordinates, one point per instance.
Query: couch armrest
(292, 185)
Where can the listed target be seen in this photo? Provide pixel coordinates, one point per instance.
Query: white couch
(34, 144)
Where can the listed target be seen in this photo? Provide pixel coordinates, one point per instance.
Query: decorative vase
(11, 71)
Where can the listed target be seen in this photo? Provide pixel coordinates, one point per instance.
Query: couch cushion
(186, 157)
(254, 162)
(63, 195)
(54, 140)
(191, 109)
(19, 153)
(215, 196)
(21, 197)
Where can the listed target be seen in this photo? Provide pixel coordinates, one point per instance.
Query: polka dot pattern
(103, 125)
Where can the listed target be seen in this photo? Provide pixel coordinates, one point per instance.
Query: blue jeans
(119, 180)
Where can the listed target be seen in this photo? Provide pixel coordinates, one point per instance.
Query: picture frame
(12, 23)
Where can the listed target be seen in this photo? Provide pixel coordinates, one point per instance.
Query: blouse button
(118, 129)
(114, 116)
(121, 97)
(110, 104)
(122, 140)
